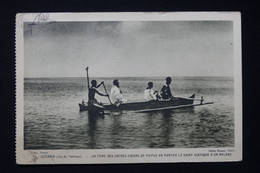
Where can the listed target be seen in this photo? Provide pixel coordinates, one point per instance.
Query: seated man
(166, 91)
(116, 94)
(93, 91)
(149, 93)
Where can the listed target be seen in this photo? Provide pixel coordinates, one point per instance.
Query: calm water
(52, 119)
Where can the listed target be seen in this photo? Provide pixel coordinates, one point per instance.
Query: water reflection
(151, 129)
(115, 131)
(167, 130)
(164, 127)
(92, 128)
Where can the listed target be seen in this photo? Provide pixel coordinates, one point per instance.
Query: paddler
(150, 94)
(116, 95)
(92, 91)
(166, 91)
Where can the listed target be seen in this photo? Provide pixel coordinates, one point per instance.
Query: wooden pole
(87, 77)
(88, 81)
(172, 107)
(107, 94)
(191, 98)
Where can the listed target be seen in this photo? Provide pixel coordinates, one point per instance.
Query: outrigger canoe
(138, 107)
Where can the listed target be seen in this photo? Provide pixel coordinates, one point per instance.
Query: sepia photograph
(128, 87)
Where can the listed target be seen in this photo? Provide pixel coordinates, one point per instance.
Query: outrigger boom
(173, 107)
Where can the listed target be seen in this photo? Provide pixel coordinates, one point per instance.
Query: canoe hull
(144, 105)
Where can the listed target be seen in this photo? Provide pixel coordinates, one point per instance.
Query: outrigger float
(140, 107)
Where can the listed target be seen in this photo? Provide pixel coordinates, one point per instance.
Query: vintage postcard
(98, 88)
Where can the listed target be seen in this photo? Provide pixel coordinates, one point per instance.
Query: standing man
(166, 91)
(92, 91)
(116, 94)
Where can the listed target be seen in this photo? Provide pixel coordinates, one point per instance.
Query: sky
(129, 49)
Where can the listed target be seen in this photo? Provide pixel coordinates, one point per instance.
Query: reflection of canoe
(177, 102)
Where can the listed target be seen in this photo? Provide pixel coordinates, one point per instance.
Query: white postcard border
(98, 156)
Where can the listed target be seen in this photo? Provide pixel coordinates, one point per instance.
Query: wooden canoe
(177, 102)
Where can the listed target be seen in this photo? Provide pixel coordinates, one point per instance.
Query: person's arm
(170, 93)
(101, 93)
(99, 84)
(151, 93)
(118, 94)
(155, 95)
(164, 89)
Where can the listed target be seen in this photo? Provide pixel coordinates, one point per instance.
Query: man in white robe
(116, 95)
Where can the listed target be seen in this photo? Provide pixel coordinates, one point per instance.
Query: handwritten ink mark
(41, 19)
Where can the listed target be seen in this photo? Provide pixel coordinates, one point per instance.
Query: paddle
(87, 77)
(107, 94)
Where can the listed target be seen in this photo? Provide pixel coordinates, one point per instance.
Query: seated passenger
(166, 91)
(149, 93)
(116, 95)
